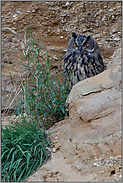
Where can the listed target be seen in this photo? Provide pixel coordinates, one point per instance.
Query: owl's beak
(80, 48)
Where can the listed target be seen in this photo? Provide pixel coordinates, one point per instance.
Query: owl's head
(82, 43)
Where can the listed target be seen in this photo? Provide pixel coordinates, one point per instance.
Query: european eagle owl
(82, 60)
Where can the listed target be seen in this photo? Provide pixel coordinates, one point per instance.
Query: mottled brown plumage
(82, 60)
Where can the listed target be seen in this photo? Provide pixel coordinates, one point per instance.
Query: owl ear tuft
(88, 38)
(74, 35)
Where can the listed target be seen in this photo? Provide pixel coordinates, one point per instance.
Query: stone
(91, 20)
(57, 146)
(111, 10)
(54, 150)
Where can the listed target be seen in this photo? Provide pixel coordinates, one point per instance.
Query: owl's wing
(71, 68)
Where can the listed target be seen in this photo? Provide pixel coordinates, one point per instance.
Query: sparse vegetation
(44, 95)
(24, 146)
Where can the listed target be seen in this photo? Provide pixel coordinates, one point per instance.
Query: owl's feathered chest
(82, 59)
(79, 66)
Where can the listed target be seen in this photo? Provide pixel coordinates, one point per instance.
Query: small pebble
(111, 10)
(95, 164)
(102, 172)
(58, 30)
(78, 167)
(67, 4)
(15, 15)
(54, 150)
(56, 137)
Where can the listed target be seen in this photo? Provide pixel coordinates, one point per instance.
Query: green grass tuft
(23, 150)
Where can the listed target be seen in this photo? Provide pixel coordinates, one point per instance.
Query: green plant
(24, 146)
(44, 95)
(23, 150)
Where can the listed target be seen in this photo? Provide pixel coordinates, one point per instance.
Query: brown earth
(53, 22)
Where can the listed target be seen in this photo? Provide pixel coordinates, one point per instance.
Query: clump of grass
(23, 150)
(44, 96)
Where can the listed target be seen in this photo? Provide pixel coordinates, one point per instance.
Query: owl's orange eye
(86, 44)
(74, 44)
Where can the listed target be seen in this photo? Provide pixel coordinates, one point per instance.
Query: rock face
(95, 113)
